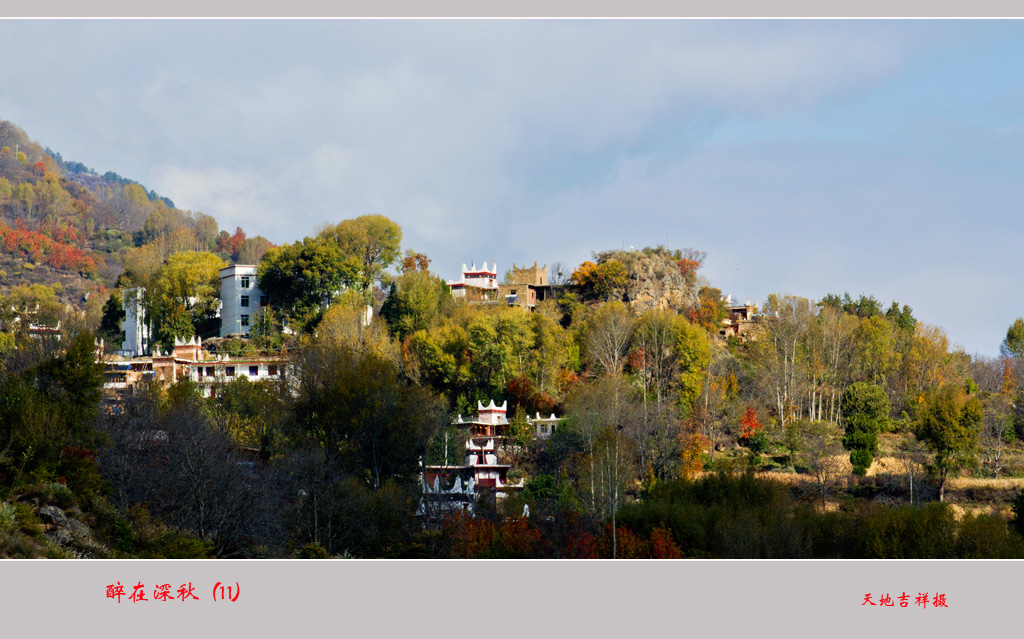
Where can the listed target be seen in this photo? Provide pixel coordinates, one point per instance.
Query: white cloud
(523, 140)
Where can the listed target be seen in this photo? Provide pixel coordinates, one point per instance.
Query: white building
(224, 369)
(241, 300)
(135, 327)
(476, 283)
(545, 426)
(487, 434)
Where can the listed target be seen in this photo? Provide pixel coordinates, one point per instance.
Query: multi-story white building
(241, 300)
(135, 326)
(487, 435)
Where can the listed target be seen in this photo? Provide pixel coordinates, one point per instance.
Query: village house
(529, 286)
(544, 427)
(487, 435)
(476, 284)
(739, 320)
(241, 300)
(240, 303)
(188, 360)
(448, 488)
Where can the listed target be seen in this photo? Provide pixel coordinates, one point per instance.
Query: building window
(200, 372)
(209, 371)
(272, 369)
(245, 300)
(254, 371)
(245, 281)
(245, 320)
(229, 371)
(264, 300)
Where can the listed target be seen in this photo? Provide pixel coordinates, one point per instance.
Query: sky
(805, 157)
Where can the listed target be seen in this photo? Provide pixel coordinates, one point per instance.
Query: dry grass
(964, 494)
(790, 479)
(1002, 511)
(1006, 483)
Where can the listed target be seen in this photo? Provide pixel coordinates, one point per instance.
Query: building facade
(241, 300)
(529, 286)
(188, 360)
(476, 284)
(455, 487)
(135, 326)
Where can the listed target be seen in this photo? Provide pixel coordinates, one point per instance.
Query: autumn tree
(1009, 378)
(718, 404)
(654, 358)
(128, 205)
(554, 354)
(442, 359)
(689, 260)
(875, 354)
(822, 454)
(359, 410)
(1013, 345)
(303, 278)
(600, 281)
(414, 301)
(345, 323)
(373, 240)
(141, 264)
(413, 261)
(206, 230)
(601, 414)
(183, 296)
(948, 424)
(253, 249)
(709, 309)
(996, 433)
(778, 354)
(608, 337)
(230, 245)
(693, 356)
(927, 363)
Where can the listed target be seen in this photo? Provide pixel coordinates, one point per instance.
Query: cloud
(803, 155)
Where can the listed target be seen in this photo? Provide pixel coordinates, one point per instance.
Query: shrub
(59, 495)
(861, 459)
(312, 551)
(8, 520)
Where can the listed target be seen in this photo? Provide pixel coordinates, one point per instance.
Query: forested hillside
(64, 227)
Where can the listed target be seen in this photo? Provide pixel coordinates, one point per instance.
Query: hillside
(80, 233)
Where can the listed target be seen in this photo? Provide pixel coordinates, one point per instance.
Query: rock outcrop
(654, 280)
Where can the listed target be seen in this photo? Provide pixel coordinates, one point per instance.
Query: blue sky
(805, 157)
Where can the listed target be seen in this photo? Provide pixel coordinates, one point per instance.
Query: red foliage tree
(749, 423)
(55, 247)
(479, 538)
(521, 394)
(663, 546)
(231, 244)
(690, 260)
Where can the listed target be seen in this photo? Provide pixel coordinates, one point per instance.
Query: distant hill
(65, 226)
